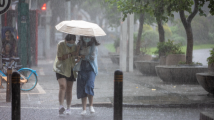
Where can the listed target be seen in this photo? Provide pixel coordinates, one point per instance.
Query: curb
(207, 115)
(192, 105)
(95, 105)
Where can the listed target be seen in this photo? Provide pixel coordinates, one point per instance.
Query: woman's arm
(64, 57)
(60, 54)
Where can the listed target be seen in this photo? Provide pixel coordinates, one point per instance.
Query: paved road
(138, 91)
(104, 113)
(201, 56)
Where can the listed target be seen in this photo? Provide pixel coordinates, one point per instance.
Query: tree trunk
(188, 28)
(189, 49)
(140, 31)
(161, 35)
(161, 31)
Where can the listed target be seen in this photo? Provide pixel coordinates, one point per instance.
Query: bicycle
(28, 77)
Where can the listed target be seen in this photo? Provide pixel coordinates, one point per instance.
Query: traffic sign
(4, 5)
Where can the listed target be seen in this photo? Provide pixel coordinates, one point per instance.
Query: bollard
(8, 93)
(118, 95)
(15, 114)
(1, 82)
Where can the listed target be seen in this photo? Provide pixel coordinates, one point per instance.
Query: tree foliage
(169, 48)
(99, 9)
(167, 30)
(162, 10)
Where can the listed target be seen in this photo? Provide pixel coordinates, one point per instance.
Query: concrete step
(207, 115)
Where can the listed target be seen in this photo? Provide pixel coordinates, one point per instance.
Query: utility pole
(130, 42)
(123, 45)
(48, 27)
(126, 44)
(23, 33)
(0, 47)
(68, 9)
(42, 32)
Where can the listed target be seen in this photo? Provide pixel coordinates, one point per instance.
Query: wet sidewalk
(138, 90)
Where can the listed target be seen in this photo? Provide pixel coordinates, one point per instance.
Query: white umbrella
(80, 27)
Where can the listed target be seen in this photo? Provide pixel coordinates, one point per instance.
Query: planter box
(163, 60)
(174, 59)
(144, 57)
(206, 80)
(211, 67)
(146, 67)
(207, 115)
(179, 74)
(115, 58)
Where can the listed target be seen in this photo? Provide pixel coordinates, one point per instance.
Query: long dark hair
(93, 40)
(70, 37)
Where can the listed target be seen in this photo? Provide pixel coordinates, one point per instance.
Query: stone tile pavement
(138, 90)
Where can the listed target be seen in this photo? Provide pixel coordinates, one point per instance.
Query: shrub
(167, 31)
(181, 63)
(166, 48)
(210, 59)
(150, 38)
(147, 27)
(178, 39)
(174, 29)
(211, 35)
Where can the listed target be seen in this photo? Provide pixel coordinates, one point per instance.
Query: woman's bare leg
(62, 89)
(84, 102)
(90, 99)
(69, 93)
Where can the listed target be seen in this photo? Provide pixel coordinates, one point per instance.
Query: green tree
(142, 8)
(186, 5)
(108, 16)
(167, 31)
(147, 27)
(211, 6)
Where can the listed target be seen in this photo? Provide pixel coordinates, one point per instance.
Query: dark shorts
(71, 78)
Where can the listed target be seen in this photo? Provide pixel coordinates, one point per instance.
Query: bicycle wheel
(31, 78)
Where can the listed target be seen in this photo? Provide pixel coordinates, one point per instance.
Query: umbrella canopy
(80, 27)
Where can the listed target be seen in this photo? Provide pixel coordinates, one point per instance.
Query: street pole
(8, 93)
(123, 45)
(0, 47)
(0, 55)
(69, 9)
(130, 39)
(48, 17)
(23, 33)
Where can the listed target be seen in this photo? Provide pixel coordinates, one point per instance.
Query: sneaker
(68, 111)
(61, 110)
(91, 108)
(83, 112)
